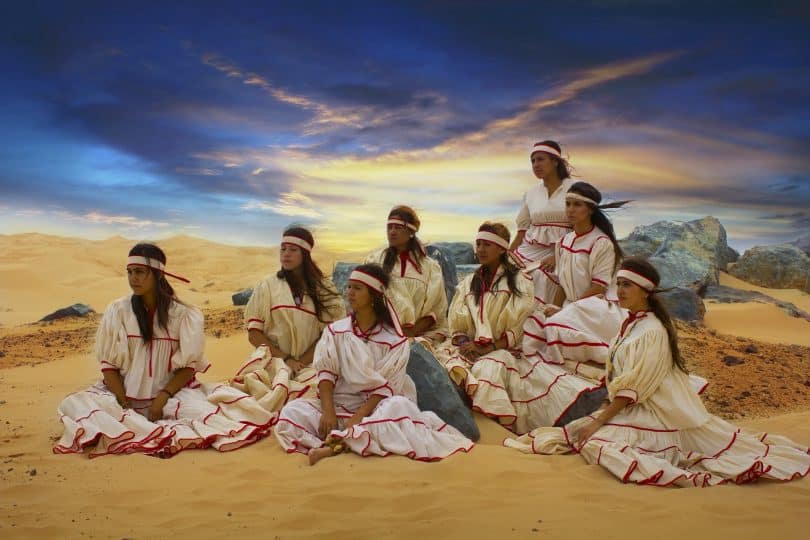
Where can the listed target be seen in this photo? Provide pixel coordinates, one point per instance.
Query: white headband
(137, 260)
(402, 222)
(294, 240)
(539, 147)
(492, 238)
(577, 196)
(638, 279)
(377, 285)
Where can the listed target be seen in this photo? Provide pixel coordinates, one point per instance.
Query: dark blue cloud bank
(204, 117)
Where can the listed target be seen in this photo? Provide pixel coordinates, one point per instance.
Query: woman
(542, 220)
(655, 429)
(150, 347)
(417, 285)
(486, 317)
(367, 401)
(565, 342)
(285, 317)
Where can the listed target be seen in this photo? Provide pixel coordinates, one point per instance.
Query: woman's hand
(548, 264)
(155, 411)
(123, 401)
(586, 432)
(327, 424)
(295, 365)
(550, 309)
(355, 419)
(469, 351)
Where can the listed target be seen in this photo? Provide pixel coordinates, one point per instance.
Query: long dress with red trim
(500, 314)
(666, 436)
(543, 218)
(361, 365)
(416, 290)
(292, 327)
(198, 416)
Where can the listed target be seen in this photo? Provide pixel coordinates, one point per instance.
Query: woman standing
(417, 285)
(486, 319)
(149, 346)
(655, 429)
(285, 317)
(367, 402)
(542, 220)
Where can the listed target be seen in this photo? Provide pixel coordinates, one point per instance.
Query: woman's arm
(328, 416)
(518, 240)
(115, 384)
(593, 290)
(178, 381)
(257, 339)
(422, 325)
(365, 409)
(587, 431)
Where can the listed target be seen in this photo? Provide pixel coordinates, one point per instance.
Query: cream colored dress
(417, 290)
(665, 436)
(500, 314)
(198, 416)
(362, 365)
(290, 327)
(544, 220)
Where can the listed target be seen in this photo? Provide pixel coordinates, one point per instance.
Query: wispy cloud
(288, 204)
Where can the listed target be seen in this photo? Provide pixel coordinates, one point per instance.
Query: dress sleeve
(459, 318)
(643, 364)
(524, 218)
(516, 312)
(112, 349)
(601, 262)
(257, 309)
(325, 360)
(436, 299)
(192, 341)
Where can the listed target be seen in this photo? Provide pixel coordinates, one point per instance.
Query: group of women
(556, 336)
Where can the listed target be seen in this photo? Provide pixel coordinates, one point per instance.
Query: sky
(231, 121)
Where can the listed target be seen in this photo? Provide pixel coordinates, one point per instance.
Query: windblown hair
(563, 168)
(164, 292)
(482, 276)
(642, 267)
(313, 278)
(377, 301)
(408, 215)
(599, 218)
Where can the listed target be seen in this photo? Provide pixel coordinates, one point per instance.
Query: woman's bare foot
(317, 454)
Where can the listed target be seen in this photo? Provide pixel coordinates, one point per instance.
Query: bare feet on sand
(317, 454)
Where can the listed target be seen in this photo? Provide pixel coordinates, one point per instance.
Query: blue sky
(232, 121)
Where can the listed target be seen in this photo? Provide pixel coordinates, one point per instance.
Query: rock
(462, 252)
(732, 360)
(241, 298)
(751, 349)
(340, 275)
(32, 472)
(436, 392)
(803, 243)
(76, 310)
(782, 266)
(685, 253)
(444, 257)
(2, 354)
(463, 270)
(683, 303)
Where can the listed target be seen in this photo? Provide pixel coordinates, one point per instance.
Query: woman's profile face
(290, 256)
(487, 252)
(141, 280)
(358, 295)
(631, 296)
(543, 165)
(578, 212)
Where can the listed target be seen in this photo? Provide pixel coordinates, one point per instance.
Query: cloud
(288, 204)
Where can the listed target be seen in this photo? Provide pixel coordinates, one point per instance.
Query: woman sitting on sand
(285, 317)
(542, 220)
(486, 318)
(655, 429)
(367, 401)
(565, 342)
(417, 285)
(150, 347)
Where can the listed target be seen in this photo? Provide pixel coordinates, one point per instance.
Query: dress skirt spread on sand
(197, 416)
(293, 328)
(665, 436)
(361, 365)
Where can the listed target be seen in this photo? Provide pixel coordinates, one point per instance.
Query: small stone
(229, 514)
(2, 354)
(732, 360)
(32, 472)
(751, 348)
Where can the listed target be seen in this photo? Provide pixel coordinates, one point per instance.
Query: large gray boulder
(463, 270)
(729, 295)
(242, 297)
(76, 310)
(340, 275)
(436, 392)
(683, 303)
(444, 257)
(687, 254)
(803, 243)
(783, 266)
(462, 252)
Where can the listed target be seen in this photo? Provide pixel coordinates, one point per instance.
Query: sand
(261, 492)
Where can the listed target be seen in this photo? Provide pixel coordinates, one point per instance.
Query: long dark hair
(563, 168)
(642, 267)
(408, 215)
(510, 271)
(164, 292)
(313, 276)
(599, 218)
(377, 301)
